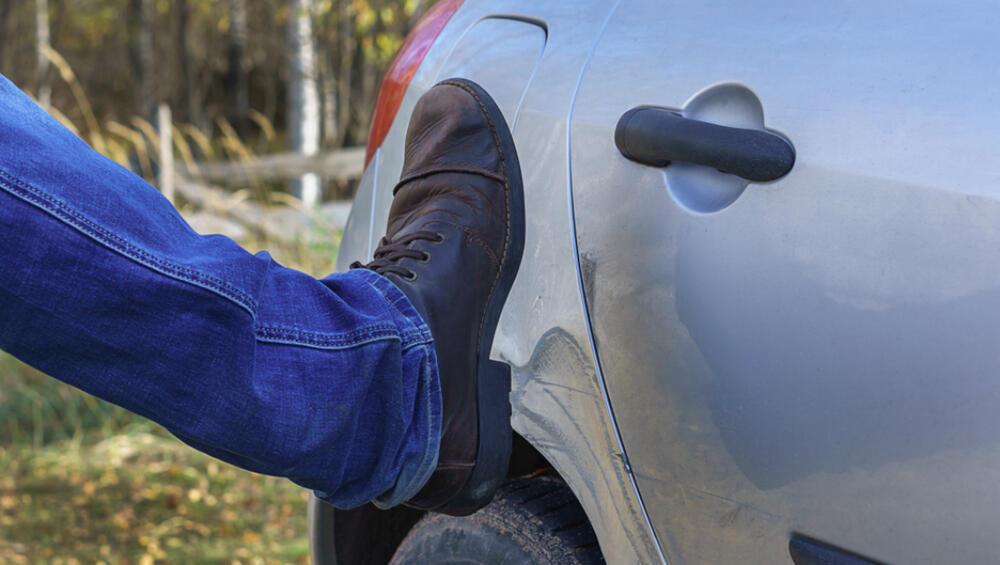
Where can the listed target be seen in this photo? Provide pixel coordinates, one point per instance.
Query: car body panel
(356, 243)
(557, 400)
(820, 355)
(814, 355)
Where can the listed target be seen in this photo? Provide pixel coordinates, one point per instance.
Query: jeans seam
(88, 227)
(317, 345)
(420, 343)
(274, 334)
(390, 302)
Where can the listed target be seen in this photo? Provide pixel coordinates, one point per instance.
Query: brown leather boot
(453, 246)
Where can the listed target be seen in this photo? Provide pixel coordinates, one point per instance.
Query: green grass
(87, 482)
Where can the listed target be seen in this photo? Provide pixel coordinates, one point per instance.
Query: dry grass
(87, 482)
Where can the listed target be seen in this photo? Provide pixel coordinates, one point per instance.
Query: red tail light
(401, 71)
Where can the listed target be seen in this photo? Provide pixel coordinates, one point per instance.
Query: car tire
(535, 520)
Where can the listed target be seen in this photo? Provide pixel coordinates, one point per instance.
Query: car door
(815, 357)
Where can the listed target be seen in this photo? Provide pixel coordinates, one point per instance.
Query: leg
(332, 383)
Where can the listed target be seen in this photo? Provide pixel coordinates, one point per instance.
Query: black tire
(530, 521)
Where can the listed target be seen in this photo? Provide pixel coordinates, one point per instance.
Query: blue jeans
(332, 382)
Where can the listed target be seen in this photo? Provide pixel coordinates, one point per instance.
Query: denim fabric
(332, 383)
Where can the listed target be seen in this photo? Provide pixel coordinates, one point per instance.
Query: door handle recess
(658, 136)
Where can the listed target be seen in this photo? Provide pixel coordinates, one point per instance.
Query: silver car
(758, 314)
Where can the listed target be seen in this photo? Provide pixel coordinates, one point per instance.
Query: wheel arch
(369, 536)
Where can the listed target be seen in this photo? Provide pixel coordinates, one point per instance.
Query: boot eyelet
(410, 276)
(426, 258)
(440, 238)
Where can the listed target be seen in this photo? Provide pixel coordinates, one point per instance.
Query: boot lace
(389, 252)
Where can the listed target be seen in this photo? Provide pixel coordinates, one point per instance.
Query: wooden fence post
(165, 125)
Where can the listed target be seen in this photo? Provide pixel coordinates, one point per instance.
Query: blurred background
(251, 116)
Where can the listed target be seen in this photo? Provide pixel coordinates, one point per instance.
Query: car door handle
(658, 136)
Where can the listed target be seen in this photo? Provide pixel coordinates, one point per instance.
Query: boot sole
(493, 377)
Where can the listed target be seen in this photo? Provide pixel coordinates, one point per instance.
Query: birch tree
(41, 48)
(303, 96)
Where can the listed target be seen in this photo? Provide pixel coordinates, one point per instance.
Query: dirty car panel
(818, 354)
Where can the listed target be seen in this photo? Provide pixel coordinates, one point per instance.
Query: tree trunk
(236, 73)
(41, 46)
(328, 85)
(348, 47)
(303, 97)
(187, 90)
(4, 34)
(141, 54)
(369, 88)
